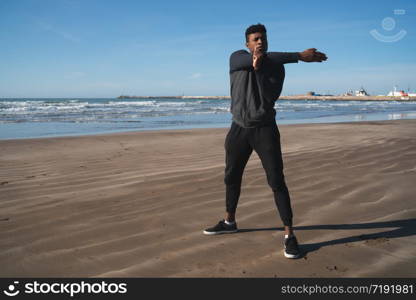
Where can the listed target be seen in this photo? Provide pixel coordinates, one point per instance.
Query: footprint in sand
(336, 268)
(376, 241)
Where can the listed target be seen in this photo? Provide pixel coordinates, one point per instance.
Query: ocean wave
(129, 103)
(108, 110)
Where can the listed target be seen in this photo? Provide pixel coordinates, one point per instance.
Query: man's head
(256, 36)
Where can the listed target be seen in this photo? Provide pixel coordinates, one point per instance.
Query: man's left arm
(309, 55)
(283, 57)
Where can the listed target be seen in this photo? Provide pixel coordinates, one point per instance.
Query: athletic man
(256, 83)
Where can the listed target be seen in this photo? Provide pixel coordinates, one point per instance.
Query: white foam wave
(128, 103)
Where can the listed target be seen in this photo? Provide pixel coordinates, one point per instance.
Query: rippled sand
(135, 204)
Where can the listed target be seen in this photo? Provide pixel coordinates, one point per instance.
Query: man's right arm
(241, 60)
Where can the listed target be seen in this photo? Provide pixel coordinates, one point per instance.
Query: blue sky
(100, 48)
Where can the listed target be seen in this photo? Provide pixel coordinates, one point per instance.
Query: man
(256, 83)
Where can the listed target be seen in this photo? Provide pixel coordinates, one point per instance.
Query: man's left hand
(311, 55)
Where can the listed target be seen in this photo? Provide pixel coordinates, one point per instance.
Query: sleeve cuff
(294, 57)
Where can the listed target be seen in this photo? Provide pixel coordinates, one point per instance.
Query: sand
(135, 204)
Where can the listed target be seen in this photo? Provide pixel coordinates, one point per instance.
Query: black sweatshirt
(253, 93)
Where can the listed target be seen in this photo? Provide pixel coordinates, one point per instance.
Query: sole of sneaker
(219, 232)
(287, 255)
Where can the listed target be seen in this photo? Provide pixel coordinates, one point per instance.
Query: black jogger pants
(265, 140)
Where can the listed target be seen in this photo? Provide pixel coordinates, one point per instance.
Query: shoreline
(133, 131)
(294, 97)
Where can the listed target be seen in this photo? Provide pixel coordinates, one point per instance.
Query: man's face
(259, 40)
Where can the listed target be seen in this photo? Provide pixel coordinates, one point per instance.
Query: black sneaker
(291, 247)
(221, 227)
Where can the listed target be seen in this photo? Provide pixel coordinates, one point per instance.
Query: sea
(22, 118)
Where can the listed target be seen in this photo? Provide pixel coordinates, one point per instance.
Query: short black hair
(255, 28)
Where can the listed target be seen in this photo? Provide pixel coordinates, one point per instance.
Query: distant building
(361, 92)
(397, 93)
(310, 93)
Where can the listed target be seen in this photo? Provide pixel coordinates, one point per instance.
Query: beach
(134, 204)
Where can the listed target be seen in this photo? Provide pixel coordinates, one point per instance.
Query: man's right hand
(311, 55)
(258, 55)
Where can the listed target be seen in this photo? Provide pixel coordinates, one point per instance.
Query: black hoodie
(253, 93)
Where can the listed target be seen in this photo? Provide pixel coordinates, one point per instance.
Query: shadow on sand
(402, 228)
